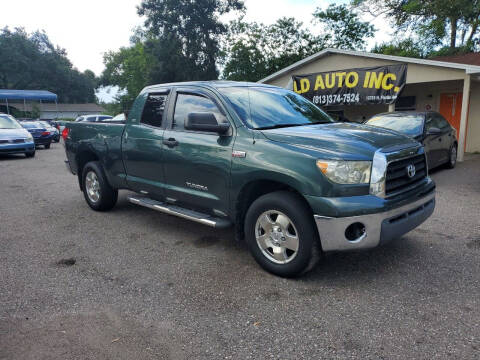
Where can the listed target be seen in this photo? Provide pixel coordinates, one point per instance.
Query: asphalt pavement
(136, 284)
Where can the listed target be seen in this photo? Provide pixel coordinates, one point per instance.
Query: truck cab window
(188, 103)
(153, 111)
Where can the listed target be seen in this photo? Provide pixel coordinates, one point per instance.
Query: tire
(98, 193)
(47, 146)
(30, 154)
(275, 252)
(452, 157)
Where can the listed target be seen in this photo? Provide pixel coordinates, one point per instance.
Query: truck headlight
(346, 172)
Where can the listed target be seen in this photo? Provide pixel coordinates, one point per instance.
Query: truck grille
(398, 178)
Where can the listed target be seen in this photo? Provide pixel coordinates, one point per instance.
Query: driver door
(197, 163)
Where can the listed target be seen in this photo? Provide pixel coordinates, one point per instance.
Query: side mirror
(434, 131)
(205, 122)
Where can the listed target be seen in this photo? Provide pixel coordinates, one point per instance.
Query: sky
(87, 29)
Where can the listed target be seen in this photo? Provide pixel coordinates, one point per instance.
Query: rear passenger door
(142, 147)
(197, 164)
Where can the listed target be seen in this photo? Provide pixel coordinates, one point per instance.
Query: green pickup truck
(293, 182)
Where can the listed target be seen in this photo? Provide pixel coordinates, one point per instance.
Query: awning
(27, 95)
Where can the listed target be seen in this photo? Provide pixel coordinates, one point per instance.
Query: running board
(188, 214)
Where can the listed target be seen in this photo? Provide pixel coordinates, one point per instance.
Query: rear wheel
(452, 158)
(281, 234)
(97, 191)
(47, 146)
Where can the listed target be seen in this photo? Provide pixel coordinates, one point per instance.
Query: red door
(451, 109)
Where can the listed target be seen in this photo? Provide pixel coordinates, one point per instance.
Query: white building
(450, 86)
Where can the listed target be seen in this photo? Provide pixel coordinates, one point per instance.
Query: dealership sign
(372, 85)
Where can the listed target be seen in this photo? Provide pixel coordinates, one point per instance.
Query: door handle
(171, 142)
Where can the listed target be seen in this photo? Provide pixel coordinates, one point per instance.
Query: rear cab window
(154, 109)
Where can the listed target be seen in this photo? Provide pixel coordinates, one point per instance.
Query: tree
(253, 51)
(195, 24)
(441, 22)
(32, 62)
(343, 27)
(407, 47)
(127, 69)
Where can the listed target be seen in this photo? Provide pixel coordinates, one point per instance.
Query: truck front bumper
(370, 230)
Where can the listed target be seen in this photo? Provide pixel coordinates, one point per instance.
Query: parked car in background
(14, 139)
(93, 118)
(52, 129)
(40, 134)
(117, 118)
(429, 128)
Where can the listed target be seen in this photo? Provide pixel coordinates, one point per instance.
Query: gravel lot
(151, 286)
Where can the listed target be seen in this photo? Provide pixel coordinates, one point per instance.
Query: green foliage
(449, 23)
(447, 51)
(112, 109)
(192, 26)
(253, 51)
(343, 28)
(32, 62)
(407, 47)
(180, 42)
(36, 112)
(127, 69)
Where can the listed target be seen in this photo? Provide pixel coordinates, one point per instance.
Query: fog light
(355, 231)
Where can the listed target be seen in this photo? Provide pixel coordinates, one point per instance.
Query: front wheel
(30, 154)
(98, 193)
(281, 234)
(452, 158)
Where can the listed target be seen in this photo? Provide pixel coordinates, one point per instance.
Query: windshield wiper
(278, 126)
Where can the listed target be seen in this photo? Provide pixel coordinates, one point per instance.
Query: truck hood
(9, 134)
(340, 140)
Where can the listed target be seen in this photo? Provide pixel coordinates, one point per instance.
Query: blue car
(14, 139)
(41, 135)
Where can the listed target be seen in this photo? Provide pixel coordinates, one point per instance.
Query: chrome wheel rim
(453, 155)
(276, 237)
(92, 186)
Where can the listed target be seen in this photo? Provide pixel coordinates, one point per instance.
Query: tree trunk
(472, 33)
(453, 34)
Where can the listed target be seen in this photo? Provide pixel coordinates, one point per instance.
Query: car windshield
(8, 122)
(408, 124)
(268, 108)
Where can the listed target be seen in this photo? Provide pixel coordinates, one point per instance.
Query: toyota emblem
(411, 170)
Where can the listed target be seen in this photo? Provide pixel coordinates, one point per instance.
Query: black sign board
(372, 85)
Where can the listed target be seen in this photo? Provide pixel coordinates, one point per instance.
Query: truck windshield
(269, 108)
(408, 124)
(7, 122)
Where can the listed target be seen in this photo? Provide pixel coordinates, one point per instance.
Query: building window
(406, 103)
